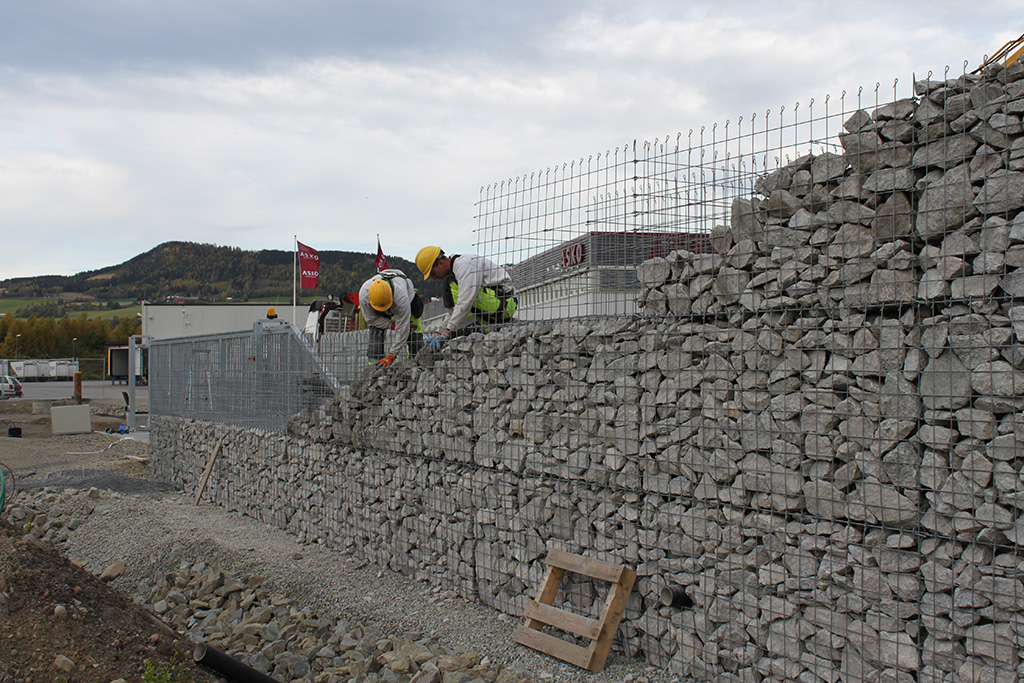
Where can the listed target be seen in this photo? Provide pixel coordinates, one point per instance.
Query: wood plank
(611, 615)
(606, 571)
(556, 647)
(548, 590)
(564, 619)
(206, 473)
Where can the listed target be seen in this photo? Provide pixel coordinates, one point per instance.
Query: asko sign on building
(573, 255)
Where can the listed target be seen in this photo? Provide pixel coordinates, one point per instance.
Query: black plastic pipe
(228, 666)
(675, 596)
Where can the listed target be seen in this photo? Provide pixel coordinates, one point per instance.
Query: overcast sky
(128, 123)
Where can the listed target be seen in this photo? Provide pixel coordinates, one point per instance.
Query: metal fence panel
(259, 378)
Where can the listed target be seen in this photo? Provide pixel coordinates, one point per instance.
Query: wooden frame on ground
(601, 632)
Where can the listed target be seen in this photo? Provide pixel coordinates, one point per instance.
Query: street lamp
(17, 342)
(73, 349)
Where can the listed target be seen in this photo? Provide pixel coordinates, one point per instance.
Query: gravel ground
(40, 458)
(154, 532)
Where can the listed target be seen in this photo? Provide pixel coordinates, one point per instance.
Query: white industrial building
(594, 274)
(168, 321)
(591, 275)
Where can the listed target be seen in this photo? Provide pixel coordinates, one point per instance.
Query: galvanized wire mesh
(774, 365)
(259, 378)
(812, 430)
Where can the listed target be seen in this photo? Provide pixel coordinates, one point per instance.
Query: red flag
(381, 262)
(309, 267)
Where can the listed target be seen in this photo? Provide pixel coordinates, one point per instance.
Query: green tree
(52, 338)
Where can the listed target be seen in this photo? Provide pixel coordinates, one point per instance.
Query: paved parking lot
(91, 389)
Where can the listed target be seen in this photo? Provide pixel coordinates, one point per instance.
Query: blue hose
(6, 475)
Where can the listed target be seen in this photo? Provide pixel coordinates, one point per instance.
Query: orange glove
(387, 360)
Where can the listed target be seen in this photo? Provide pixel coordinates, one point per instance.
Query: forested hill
(188, 269)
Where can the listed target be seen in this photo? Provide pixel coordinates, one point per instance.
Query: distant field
(13, 305)
(130, 311)
(276, 302)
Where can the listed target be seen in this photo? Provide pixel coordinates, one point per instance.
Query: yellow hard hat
(425, 260)
(380, 295)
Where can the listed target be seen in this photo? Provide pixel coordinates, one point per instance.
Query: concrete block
(71, 420)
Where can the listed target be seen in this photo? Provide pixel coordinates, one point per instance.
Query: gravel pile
(297, 612)
(275, 636)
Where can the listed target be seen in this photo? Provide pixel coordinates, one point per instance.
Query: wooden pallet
(601, 632)
(207, 471)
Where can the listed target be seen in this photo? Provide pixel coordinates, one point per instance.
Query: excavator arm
(1007, 54)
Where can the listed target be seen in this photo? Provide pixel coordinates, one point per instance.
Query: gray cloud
(242, 34)
(244, 123)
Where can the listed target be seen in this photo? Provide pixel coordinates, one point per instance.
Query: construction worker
(473, 285)
(388, 300)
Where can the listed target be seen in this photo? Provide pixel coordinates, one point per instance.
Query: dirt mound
(60, 623)
(57, 621)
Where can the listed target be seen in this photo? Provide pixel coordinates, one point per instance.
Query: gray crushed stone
(86, 479)
(159, 534)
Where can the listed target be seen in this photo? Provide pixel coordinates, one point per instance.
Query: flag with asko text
(381, 262)
(309, 267)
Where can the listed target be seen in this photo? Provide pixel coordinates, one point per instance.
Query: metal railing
(258, 378)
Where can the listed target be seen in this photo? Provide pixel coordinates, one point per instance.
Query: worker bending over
(388, 300)
(473, 285)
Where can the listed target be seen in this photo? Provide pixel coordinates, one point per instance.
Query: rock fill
(815, 431)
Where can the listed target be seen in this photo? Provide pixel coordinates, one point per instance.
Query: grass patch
(12, 305)
(164, 672)
(90, 309)
(130, 310)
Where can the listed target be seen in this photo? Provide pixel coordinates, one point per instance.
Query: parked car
(7, 389)
(17, 386)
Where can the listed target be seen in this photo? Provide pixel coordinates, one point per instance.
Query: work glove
(387, 360)
(435, 342)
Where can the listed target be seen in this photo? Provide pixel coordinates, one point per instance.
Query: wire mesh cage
(774, 365)
(259, 378)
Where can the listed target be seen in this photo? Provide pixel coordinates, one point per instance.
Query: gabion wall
(815, 432)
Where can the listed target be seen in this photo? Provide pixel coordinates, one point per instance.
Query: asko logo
(310, 273)
(572, 256)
